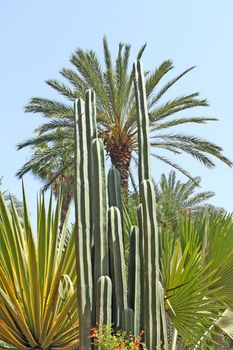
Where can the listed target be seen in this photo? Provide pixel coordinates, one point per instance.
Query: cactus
(134, 279)
(152, 321)
(151, 267)
(141, 256)
(91, 134)
(99, 209)
(128, 321)
(144, 171)
(105, 281)
(114, 189)
(117, 265)
(104, 301)
(82, 239)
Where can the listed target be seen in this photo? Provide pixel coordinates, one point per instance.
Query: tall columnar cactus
(134, 278)
(117, 265)
(91, 130)
(152, 320)
(99, 210)
(114, 189)
(141, 257)
(144, 170)
(104, 301)
(82, 241)
(103, 287)
(151, 267)
(128, 321)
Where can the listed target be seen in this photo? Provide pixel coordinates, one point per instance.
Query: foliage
(116, 115)
(11, 198)
(108, 340)
(197, 273)
(37, 294)
(173, 280)
(174, 197)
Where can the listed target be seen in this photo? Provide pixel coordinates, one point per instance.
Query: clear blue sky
(38, 37)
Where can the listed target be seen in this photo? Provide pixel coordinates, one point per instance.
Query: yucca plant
(37, 281)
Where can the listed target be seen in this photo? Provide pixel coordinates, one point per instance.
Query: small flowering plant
(107, 339)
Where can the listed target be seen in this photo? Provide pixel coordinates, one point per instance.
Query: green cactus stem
(99, 207)
(104, 302)
(128, 321)
(144, 168)
(118, 269)
(151, 267)
(134, 278)
(82, 239)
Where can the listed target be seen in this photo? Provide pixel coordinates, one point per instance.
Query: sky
(38, 38)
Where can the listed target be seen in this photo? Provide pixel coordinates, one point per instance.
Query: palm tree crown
(116, 115)
(174, 197)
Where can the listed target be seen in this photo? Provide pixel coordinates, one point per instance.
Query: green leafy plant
(116, 115)
(37, 281)
(107, 339)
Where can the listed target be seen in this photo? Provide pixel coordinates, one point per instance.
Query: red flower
(142, 332)
(93, 333)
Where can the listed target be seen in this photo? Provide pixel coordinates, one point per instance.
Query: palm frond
(54, 124)
(176, 105)
(190, 303)
(58, 173)
(49, 108)
(88, 66)
(168, 85)
(110, 81)
(154, 78)
(179, 121)
(73, 78)
(62, 89)
(173, 165)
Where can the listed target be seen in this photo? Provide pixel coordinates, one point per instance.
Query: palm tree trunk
(120, 158)
(64, 209)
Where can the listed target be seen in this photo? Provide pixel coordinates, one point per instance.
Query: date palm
(174, 197)
(9, 198)
(48, 172)
(116, 115)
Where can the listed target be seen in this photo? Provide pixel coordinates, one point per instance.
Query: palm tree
(174, 197)
(11, 199)
(48, 172)
(116, 115)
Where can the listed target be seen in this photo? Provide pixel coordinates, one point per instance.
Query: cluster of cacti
(105, 297)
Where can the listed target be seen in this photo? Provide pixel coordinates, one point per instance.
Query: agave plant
(37, 279)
